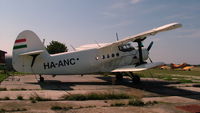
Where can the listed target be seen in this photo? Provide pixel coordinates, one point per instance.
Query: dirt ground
(169, 95)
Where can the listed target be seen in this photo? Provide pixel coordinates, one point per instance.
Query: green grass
(60, 108)
(136, 102)
(171, 75)
(12, 110)
(36, 98)
(158, 72)
(95, 96)
(3, 89)
(3, 76)
(118, 104)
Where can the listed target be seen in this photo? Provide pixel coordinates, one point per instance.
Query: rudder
(25, 47)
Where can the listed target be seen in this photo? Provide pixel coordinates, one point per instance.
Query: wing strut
(140, 52)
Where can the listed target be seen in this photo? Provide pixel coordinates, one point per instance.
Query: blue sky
(79, 22)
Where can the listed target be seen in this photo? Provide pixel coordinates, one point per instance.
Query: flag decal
(20, 43)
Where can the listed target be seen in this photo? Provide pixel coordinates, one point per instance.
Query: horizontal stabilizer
(32, 53)
(134, 68)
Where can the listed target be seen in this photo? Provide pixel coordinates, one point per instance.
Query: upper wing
(142, 36)
(133, 68)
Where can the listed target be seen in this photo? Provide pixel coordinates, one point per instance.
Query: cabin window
(113, 55)
(108, 56)
(103, 57)
(117, 54)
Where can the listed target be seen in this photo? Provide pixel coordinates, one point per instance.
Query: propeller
(150, 45)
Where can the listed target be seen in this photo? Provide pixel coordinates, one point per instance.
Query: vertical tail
(27, 50)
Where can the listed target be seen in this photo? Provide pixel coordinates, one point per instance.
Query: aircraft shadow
(153, 86)
(159, 87)
(59, 85)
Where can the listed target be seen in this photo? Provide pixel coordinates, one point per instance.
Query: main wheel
(119, 77)
(41, 79)
(136, 79)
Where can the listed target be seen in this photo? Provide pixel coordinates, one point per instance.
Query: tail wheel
(41, 78)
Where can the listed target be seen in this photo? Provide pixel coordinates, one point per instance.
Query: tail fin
(26, 48)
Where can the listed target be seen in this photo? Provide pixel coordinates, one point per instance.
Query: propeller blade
(150, 60)
(150, 45)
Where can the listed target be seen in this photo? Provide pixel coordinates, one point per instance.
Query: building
(2, 57)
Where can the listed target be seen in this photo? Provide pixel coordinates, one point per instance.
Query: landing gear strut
(41, 78)
(135, 78)
(119, 77)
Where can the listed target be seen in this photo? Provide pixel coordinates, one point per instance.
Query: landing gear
(41, 78)
(119, 77)
(135, 78)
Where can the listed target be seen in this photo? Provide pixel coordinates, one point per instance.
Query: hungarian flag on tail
(20, 43)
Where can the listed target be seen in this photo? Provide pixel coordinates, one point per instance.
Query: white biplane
(119, 58)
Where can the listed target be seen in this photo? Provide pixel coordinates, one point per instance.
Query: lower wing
(134, 68)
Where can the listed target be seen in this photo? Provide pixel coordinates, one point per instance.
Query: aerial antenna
(97, 43)
(117, 36)
(73, 47)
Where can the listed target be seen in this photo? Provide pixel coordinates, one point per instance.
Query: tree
(56, 47)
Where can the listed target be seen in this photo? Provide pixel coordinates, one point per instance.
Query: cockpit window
(126, 47)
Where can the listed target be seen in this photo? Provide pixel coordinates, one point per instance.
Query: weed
(151, 103)
(56, 108)
(6, 98)
(95, 96)
(20, 97)
(2, 110)
(22, 89)
(118, 104)
(12, 110)
(3, 89)
(33, 101)
(184, 81)
(38, 98)
(136, 102)
(90, 106)
(61, 108)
